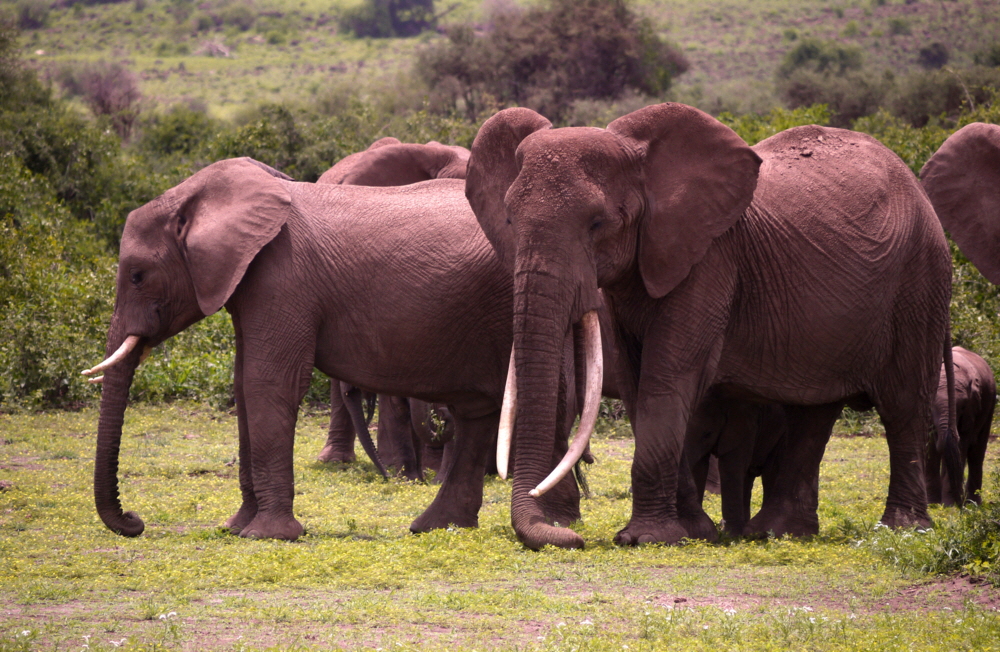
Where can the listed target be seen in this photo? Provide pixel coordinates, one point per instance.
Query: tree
(550, 56)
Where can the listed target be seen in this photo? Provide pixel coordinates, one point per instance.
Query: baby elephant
(975, 396)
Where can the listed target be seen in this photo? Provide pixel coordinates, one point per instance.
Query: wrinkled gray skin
(807, 271)
(962, 180)
(975, 399)
(742, 436)
(332, 277)
(403, 444)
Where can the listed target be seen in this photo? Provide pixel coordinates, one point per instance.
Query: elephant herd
(735, 298)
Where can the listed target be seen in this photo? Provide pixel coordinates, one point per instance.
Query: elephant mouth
(115, 358)
(588, 417)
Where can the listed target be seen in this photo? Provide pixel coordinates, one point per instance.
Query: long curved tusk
(142, 358)
(507, 414)
(115, 357)
(591, 404)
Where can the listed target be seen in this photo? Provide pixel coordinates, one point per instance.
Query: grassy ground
(359, 580)
(295, 50)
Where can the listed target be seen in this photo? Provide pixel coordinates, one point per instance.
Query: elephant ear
(398, 164)
(962, 180)
(226, 213)
(699, 176)
(493, 166)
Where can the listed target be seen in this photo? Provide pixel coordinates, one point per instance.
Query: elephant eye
(136, 277)
(596, 225)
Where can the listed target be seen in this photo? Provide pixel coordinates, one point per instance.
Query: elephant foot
(904, 517)
(273, 527)
(781, 521)
(242, 518)
(437, 519)
(539, 534)
(637, 532)
(330, 454)
(700, 526)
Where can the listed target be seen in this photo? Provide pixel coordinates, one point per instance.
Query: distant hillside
(226, 54)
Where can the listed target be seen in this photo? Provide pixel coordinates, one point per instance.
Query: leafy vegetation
(548, 56)
(359, 580)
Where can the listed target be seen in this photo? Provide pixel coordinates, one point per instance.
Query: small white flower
(26, 632)
(704, 626)
(163, 616)
(812, 620)
(588, 621)
(171, 614)
(730, 612)
(558, 625)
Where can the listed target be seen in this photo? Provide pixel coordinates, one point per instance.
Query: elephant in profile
(975, 399)
(807, 271)
(332, 277)
(403, 443)
(962, 180)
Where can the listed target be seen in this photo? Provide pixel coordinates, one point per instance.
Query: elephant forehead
(568, 165)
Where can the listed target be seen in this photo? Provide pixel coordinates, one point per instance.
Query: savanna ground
(359, 580)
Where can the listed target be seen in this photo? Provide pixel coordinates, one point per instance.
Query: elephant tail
(947, 437)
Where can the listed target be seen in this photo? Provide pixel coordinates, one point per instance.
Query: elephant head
(182, 256)
(629, 209)
(388, 162)
(962, 180)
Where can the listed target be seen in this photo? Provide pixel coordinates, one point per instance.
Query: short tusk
(115, 357)
(507, 414)
(95, 381)
(591, 404)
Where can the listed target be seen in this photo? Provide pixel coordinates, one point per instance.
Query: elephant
(403, 444)
(975, 398)
(807, 271)
(962, 180)
(298, 266)
(741, 437)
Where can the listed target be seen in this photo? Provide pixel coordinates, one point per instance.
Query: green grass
(359, 580)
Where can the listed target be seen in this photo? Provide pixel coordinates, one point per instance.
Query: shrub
(387, 18)
(55, 294)
(899, 26)
(754, 128)
(924, 95)
(818, 56)
(32, 14)
(110, 90)
(989, 57)
(848, 96)
(240, 16)
(933, 56)
(552, 55)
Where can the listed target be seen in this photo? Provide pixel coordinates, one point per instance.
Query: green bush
(755, 128)
(819, 56)
(56, 287)
(388, 18)
(240, 16)
(927, 95)
(550, 56)
(848, 96)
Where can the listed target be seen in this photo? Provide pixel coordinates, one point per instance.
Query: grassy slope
(734, 46)
(358, 579)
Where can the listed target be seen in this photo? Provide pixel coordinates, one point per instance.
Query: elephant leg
(932, 476)
(339, 445)
(906, 431)
(791, 497)
(690, 513)
(976, 457)
(461, 494)
(272, 411)
(735, 497)
(395, 436)
(248, 508)
(713, 483)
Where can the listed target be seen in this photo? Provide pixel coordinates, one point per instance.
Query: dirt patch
(952, 593)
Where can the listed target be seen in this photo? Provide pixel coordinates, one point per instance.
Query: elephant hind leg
(461, 494)
(791, 483)
(339, 445)
(906, 434)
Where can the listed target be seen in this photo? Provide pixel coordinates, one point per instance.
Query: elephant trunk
(114, 398)
(541, 318)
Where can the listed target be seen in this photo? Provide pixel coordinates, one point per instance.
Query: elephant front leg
(461, 494)
(248, 508)
(659, 430)
(272, 396)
